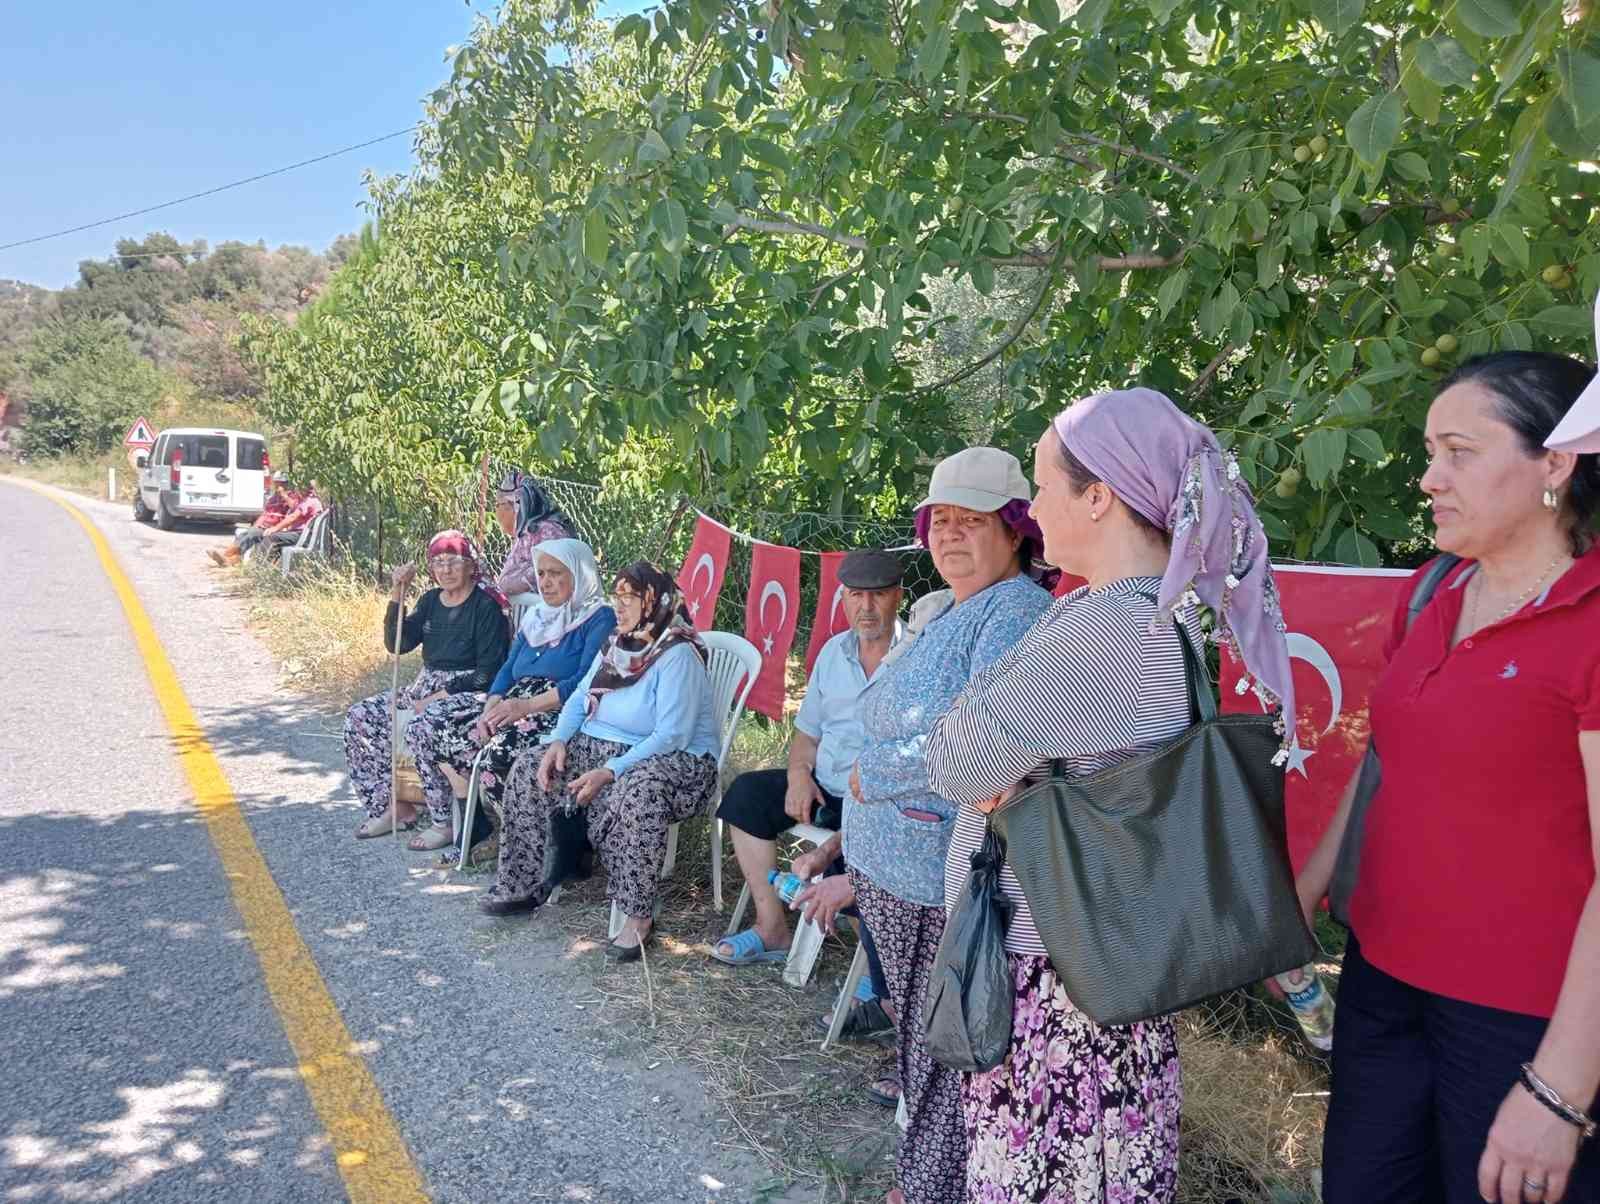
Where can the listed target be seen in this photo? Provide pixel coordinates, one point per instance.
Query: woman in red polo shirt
(1475, 926)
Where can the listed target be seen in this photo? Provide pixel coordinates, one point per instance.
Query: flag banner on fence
(700, 578)
(771, 614)
(830, 618)
(1067, 584)
(1338, 620)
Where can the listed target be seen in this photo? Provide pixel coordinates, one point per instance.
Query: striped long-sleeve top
(1090, 684)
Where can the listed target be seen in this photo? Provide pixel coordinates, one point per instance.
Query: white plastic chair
(806, 947)
(519, 607)
(313, 541)
(733, 667)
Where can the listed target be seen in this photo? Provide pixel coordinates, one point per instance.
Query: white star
(766, 646)
(1297, 759)
(694, 610)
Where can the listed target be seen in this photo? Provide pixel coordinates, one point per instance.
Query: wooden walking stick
(394, 723)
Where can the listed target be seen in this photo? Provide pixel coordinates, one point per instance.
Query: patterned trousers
(367, 728)
(627, 820)
(442, 736)
(931, 1164)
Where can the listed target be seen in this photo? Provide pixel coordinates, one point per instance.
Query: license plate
(203, 497)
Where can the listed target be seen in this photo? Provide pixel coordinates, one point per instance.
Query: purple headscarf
(1170, 469)
(1014, 514)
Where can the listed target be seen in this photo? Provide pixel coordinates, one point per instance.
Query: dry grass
(1253, 1102)
(79, 474)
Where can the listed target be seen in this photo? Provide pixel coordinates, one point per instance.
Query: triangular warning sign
(139, 434)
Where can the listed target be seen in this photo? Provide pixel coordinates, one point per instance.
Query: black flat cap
(870, 569)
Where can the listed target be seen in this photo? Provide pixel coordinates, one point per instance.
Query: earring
(1551, 501)
(1094, 518)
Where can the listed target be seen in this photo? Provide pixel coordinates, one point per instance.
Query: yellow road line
(371, 1155)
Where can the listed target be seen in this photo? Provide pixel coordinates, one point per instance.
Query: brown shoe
(216, 558)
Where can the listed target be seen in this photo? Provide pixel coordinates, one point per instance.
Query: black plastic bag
(966, 1017)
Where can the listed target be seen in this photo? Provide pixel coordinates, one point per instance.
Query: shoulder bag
(1347, 866)
(1165, 879)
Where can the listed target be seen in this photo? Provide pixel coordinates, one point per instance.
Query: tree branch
(1203, 381)
(1028, 258)
(1091, 139)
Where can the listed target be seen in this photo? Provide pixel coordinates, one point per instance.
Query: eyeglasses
(623, 595)
(446, 562)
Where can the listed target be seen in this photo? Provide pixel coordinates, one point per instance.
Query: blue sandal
(747, 949)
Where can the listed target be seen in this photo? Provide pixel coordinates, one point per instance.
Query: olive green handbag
(1165, 879)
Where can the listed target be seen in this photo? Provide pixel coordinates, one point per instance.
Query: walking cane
(394, 727)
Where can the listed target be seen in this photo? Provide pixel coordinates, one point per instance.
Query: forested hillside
(152, 329)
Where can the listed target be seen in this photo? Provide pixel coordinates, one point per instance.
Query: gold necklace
(1472, 618)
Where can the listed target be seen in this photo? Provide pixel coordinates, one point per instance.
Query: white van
(193, 473)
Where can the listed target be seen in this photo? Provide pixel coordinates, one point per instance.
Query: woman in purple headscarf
(1141, 502)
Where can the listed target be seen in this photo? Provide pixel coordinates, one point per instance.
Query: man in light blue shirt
(763, 804)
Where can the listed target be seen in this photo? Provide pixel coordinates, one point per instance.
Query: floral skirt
(442, 736)
(1079, 1112)
(368, 725)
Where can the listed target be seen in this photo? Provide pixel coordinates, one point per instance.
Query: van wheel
(141, 512)
(165, 519)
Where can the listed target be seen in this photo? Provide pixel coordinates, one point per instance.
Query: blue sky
(109, 106)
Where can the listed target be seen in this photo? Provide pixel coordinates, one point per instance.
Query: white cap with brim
(979, 478)
(1579, 430)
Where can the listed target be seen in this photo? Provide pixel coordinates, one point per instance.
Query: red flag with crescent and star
(700, 578)
(830, 618)
(771, 614)
(1338, 619)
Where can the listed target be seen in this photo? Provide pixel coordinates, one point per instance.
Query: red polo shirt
(1478, 855)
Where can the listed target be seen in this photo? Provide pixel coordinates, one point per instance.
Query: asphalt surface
(140, 1056)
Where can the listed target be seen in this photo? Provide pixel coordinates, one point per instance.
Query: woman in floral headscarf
(635, 746)
(556, 642)
(1139, 500)
(461, 626)
(526, 514)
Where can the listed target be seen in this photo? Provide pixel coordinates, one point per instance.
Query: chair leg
(716, 862)
(617, 921)
(804, 950)
(847, 993)
(741, 905)
(469, 812)
(671, 858)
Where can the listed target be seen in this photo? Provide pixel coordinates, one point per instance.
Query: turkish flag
(1338, 619)
(771, 613)
(700, 578)
(830, 618)
(1067, 584)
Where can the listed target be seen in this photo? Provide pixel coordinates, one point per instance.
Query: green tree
(86, 384)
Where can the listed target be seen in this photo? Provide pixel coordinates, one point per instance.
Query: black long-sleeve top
(471, 639)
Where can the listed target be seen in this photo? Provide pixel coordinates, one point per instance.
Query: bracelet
(1551, 1099)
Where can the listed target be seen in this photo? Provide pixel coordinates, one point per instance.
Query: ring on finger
(1533, 1186)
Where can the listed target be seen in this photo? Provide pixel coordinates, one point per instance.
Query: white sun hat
(979, 478)
(1579, 430)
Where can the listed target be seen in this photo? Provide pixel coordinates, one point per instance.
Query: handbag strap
(1202, 702)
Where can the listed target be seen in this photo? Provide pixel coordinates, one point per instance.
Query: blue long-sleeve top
(668, 709)
(563, 662)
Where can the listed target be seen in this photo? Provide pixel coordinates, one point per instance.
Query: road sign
(139, 434)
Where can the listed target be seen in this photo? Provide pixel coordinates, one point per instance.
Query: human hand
(1527, 1144)
(823, 901)
(585, 786)
(801, 799)
(855, 783)
(814, 861)
(552, 763)
(989, 804)
(402, 577)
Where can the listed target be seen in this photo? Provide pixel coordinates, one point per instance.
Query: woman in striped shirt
(1141, 502)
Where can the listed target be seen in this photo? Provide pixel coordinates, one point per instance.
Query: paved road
(140, 1056)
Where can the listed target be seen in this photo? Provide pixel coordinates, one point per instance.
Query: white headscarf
(544, 624)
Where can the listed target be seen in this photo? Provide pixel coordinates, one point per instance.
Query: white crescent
(1315, 655)
(833, 611)
(773, 589)
(710, 566)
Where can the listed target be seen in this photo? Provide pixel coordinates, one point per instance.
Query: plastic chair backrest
(519, 607)
(733, 667)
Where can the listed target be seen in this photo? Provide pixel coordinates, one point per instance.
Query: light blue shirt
(667, 709)
(901, 854)
(830, 713)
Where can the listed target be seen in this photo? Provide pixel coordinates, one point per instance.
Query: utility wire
(194, 196)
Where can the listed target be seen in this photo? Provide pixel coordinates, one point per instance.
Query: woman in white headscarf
(556, 642)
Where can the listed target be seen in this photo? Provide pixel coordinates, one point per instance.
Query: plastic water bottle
(788, 885)
(1311, 1003)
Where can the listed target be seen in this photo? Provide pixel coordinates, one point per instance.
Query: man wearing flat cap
(763, 804)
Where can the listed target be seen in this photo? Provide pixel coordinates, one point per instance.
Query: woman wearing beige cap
(975, 523)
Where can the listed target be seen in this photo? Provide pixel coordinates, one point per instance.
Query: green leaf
(1443, 60)
(1324, 450)
(1423, 95)
(1527, 136)
(1489, 18)
(1580, 86)
(1091, 15)
(1509, 245)
(1341, 358)
(1412, 166)
(983, 276)
(1353, 547)
(1367, 444)
(1171, 290)
(1046, 14)
(1515, 63)
(1338, 17)
(653, 148)
(1374, 128)
(1161, 10)
(935, 50)
(596, 238)
(1285, 191)
(1564, 321)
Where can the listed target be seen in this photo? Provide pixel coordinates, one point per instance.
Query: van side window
(159, 456)
(251, 454)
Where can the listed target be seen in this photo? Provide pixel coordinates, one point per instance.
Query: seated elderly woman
(975, 523)
(635, 745)
(462, 628)
(526, 514)
(557, 641)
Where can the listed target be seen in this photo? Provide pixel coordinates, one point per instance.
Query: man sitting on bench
(763, 804)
